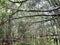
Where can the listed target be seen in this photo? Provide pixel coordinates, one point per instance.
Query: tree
(23, 18)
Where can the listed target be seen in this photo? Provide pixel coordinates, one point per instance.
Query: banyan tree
(29, 22)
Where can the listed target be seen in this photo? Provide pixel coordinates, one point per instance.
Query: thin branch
(18, 1)
(34, 16)
(35, 22)
(44, 20)
(50, 10)
(29, 17)
(41, 10)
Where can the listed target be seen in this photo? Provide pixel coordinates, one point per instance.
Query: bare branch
(50, 10)
(18, 1)
(31, 16)
(35, 16)
(44, 20)
(41, 10)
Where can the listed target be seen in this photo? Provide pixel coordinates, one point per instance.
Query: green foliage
(1, 33)
(2, 3)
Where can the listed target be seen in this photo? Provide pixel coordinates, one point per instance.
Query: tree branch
(44, 20)
(29, 17)
(35, 16)
(41, 10)
(58, 7)
(18, 1)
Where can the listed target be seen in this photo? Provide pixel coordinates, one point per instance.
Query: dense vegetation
(29, 22)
